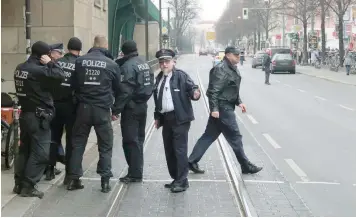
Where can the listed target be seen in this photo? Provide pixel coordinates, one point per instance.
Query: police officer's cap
(40, 48)
(57, 47)
(74, 44)
(129, 47)
(232, 50)
(166, 54)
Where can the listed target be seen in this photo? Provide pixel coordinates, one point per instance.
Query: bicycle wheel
(9, 148)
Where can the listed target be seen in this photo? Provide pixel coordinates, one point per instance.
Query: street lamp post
(160, 24)
(146, 30)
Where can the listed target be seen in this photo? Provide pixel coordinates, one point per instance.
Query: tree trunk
(305, 41)
(341, 39)
(322, 27)
(254, 41)
(258, 36)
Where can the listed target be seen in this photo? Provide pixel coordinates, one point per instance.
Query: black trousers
(133, 125)
(64, 119)
(226, 124)
(100, 118)
(33, 155)
(267, 74)
(175, 139)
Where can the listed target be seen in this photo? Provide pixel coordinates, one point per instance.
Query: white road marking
(271, 140)
(252, 119)
(320, 98)
(323, 183)
(263, 181)
(347, 108)
(277, 81)
(301, 90)
(95, 179)
(288, 85)
(190, 180)
(303, 176)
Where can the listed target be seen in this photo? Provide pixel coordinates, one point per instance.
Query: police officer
(135, 90)
(34, 79)
(173, 94)
(223, 94)
(65, 108)
(267, 68)
(57, 51)
(96, 79)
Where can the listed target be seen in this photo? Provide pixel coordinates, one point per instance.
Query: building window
(97, 3)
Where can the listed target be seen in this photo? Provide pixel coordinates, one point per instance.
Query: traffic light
(245, 13)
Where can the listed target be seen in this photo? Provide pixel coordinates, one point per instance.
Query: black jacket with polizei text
(96, 79)
(182, 91)
(34, 83)
(65, 92)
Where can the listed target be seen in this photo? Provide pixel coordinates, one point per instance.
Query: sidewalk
(326, 74)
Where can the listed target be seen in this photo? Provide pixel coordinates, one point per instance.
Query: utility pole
(169, 28)
(284, 29)
(160, 24)
(146, 30)
(28, 27)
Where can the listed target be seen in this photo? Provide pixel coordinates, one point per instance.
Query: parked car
(203, 52)
(278, 50)
(283, 63)
(258, 59)
(218, 58)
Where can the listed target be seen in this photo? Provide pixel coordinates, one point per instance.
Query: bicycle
(10, 127)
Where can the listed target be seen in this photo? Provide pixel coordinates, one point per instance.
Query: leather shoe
(195, 168)
(75, 184)
(105, 185)
(180, 187)
(169, 185)
(128, 179)
(249, 168)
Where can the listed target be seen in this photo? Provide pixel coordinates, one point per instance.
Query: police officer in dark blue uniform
(173, 94)
(96, 79)
(34, 79)
(65, 105)
(136, 88)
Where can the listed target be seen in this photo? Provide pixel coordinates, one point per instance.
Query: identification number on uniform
(67, 78)
(146, 78)
(20, 78)
(92, 77)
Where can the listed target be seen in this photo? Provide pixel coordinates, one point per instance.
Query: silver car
(258, 59)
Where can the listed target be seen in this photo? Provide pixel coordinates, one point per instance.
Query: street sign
(245, 13)
(164, 30)
(210, 36)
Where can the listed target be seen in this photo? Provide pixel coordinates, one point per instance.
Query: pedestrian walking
(33, 80)
(267, 67)
(348, 62)
(173, 95)
(223, 93)
(136, 88)
(65, 105)
(96, 79)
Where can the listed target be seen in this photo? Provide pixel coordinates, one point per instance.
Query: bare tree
(266, 16)
(301, 10)
(185, 12)
(340, 7)
(324, 7)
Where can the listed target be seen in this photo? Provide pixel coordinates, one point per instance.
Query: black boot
(248, 167)
(105, 185)
(17, 189)
(49, 173)
(31, 191)
(195, 168)
(74, 184)
(57, 171)
(180, 187)
(127, 179)
(66, 180)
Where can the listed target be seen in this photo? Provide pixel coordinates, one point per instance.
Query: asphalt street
(306, 126)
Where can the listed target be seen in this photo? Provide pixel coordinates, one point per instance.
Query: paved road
(306, 125)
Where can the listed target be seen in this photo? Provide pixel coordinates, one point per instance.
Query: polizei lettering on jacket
(67, 66)
(143, 67)
(93, 63)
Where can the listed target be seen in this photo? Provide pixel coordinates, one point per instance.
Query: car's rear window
(283, 57)
(261, 54)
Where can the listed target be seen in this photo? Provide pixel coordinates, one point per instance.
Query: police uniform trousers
(133, 125)
(175, 140)
(100, 119)
(226, 124)
(64, 119)
(33, 156)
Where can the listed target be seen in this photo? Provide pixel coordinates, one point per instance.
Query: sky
(211, 9)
